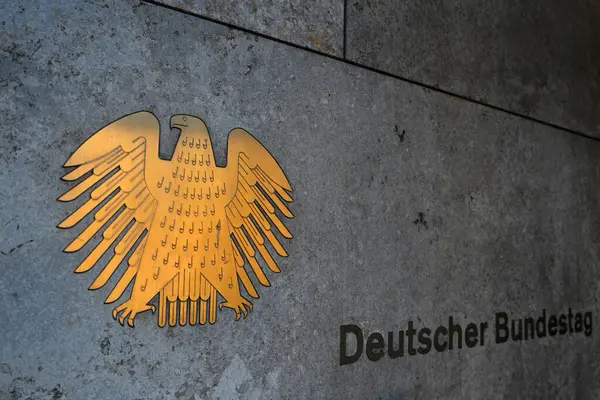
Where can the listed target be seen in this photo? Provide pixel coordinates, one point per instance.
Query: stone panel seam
(345, 29)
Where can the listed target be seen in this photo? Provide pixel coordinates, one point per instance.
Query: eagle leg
(239, 306)
(130, 310)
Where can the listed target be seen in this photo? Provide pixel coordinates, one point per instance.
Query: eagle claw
(239, 306)
(130, 310)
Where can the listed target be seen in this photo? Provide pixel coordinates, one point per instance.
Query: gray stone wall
(410, 205)
(540, 59)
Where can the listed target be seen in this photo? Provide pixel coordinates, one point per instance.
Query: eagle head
(188, 124)
(192, 127)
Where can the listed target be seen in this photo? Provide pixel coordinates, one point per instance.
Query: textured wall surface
(315, 24)
(410, 205)
(536, 58)
(539, 58)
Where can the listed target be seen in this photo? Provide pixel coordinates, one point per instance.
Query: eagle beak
(178, 121)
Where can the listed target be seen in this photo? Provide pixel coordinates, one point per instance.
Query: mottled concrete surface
(539, 58)
(315, 24)
(410, 205)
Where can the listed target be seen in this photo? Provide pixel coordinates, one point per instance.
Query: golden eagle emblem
(189, 228)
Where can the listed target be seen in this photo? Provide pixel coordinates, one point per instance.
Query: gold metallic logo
(188, 227)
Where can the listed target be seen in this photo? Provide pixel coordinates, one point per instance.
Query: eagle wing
(113, 166)
(261, 190)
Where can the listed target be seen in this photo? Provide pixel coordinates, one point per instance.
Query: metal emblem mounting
(189, 228)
